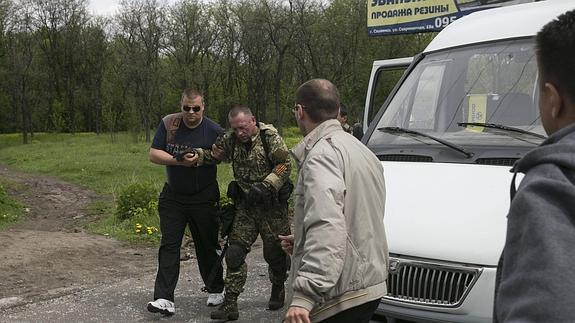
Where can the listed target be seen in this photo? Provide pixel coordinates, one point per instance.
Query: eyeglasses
(294, 109)
(188, 108)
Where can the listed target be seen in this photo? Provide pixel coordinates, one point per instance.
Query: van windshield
(450, 94)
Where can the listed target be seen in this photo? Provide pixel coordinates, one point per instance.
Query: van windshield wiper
(501, 127)
(400, 131)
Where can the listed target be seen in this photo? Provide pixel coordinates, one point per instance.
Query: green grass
(104, 165)
(10, 209)
(86, 159)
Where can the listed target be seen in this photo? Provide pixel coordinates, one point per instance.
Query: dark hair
(237, 109)
(555, 47)
(342, 110)
(192, 93)
(320, 99)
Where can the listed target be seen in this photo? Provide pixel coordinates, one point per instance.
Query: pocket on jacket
(352, 277)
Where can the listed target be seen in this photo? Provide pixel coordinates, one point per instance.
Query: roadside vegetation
(118, 168)
(67, 70)
(10, 209)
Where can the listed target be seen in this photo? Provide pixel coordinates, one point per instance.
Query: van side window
(385, 81)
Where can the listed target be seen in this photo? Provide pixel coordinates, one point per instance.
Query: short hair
(237, 109)
(342, 110)
(192, 94)
(320, 99)
(555, 47)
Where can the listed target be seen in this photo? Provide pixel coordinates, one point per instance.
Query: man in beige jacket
(339, 254)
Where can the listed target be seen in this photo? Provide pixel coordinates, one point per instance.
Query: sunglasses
(188, 108)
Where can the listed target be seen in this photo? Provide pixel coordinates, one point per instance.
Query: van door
(385, 74)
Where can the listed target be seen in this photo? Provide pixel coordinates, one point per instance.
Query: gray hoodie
(537, 270)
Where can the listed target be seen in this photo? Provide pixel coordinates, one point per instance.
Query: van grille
(405, 158)
(428, 283)
(496, 161)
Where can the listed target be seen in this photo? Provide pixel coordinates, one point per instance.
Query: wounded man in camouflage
(261, 165)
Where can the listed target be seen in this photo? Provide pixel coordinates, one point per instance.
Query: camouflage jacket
(249, 161)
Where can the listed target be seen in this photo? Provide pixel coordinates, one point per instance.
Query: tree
(227, 51)
(256, 55)
(22, 66)
(94, 51)
(141, 22)
(59, 24)
(279, 24)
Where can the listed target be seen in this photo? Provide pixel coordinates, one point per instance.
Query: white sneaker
(162, 306)
(215, 299)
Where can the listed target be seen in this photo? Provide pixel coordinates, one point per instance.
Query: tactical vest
(265, 144)
(285, 191)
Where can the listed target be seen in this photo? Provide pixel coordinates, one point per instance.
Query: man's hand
(181, 155)
(297, 315)
(218, 153)
(287, 243)
(260, 193)
(189, 160)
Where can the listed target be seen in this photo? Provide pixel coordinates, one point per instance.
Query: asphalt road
(125, 301)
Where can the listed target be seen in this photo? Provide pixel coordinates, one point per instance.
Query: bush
(136, 200)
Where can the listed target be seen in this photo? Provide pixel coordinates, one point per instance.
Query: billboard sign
(392, 17)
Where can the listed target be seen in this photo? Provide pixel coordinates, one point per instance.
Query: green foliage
(142, 228)
(119, 169)
(135, 218)
(87, 75)
(57, 116)
(136, 200)
(83, 158)
(10, 209)
(291, 136)
(7, 112)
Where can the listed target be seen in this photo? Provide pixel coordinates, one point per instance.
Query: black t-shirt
(201, 180)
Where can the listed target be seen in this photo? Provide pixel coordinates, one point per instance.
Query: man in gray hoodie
(536, 273)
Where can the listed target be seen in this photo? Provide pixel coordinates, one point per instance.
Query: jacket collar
(302, 149)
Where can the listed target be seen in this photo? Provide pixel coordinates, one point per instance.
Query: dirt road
(53, 271)
(48, 254)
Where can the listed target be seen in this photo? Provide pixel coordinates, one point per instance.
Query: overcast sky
(109, 7)
(103, 7)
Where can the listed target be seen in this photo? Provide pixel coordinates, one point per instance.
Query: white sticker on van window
(477, 110)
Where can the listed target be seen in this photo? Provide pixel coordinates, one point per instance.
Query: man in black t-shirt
(189, 198)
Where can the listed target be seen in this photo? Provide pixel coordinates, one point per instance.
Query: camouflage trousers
(268, 223)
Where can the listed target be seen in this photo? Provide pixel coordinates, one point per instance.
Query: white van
(464, 111)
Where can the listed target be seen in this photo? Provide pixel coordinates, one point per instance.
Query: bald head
(320, 99)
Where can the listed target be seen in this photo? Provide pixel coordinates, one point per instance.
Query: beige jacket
(340, 250)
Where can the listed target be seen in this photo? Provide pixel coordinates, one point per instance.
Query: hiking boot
(228, 311)
(277, 298)
(215, 299)
(162, 306)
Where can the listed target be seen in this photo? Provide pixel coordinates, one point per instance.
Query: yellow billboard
(389, 17)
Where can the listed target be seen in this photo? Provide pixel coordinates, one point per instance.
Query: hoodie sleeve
(324, 229)
(537, 278)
